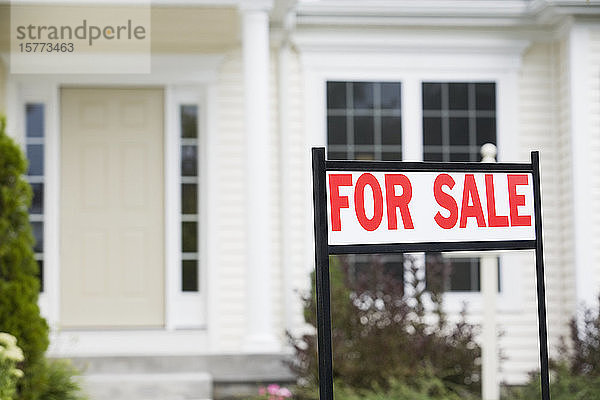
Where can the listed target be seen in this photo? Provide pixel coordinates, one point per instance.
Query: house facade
(173, 207)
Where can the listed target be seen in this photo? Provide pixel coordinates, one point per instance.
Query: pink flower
(262, 391)
(273, 389)
(284, 392)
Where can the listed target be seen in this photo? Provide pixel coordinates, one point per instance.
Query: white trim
(487, 60)
(168, 71)
(586, 284)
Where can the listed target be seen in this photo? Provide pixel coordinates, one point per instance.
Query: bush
(19, 284)
(381, 339)
(575, 374)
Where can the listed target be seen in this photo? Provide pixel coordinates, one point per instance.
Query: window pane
(391, 131)
(364, 156)
(337, 155)
(486, 130)
(459, 131)
(189, 198)
(35, 155)
(189, 121)
(34, 122)
(189, 161)
(433, 156)
(391, 155)
(390, 95)
(458, 96)
(432, 96)
(432, 131)
(41, 274)
(460, 157)
(37, 203)
(38, 234)
(485, 96)
(362, 93)
(336, 95)
(336, 130)
(363, 130)
(189, 275)
(189, 237)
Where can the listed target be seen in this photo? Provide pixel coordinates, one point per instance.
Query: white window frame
(181, 77)
(428, 58)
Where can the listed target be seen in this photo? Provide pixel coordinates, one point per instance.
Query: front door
(112, 214)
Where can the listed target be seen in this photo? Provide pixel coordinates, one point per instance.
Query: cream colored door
(112, 228)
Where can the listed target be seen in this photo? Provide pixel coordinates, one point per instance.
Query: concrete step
(148, 386)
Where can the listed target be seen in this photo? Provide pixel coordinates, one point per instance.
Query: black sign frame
(323, 250)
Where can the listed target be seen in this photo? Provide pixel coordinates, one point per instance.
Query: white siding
(230, 296)
(543, 125)
(594, 133)
(230, 299)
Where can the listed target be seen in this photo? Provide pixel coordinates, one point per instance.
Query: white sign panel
(417, 207)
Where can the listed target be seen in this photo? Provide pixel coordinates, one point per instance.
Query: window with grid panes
(34, 149)
(364, 123)
(189, 198)
(458, 118)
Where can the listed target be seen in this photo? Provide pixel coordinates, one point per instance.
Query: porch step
(148, 386)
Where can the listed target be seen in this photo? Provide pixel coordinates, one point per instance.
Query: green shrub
(575, 374)
(380, 336)
(19, 285)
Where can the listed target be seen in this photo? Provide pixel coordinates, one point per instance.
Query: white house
(173, 206)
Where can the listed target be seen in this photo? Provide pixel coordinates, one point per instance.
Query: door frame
(184, 78)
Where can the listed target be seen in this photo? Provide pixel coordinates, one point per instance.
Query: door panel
(112, 211)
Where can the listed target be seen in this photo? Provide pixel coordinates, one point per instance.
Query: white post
(255, 47)
(489, 288)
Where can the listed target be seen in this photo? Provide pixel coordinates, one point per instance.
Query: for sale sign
(389, 207)
(445, 206)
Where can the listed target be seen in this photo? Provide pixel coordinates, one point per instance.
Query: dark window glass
(458, 96)
(390, 95)
(362, 95)
(34, 120)
(37, 203)
(432, 96)
(363, 130)
(38, 234)
(391, 156)
(485, 96)
(189, 160)
(189, 121)
(391, 131)
(337, 130)
(432, 131)
(189, 276)
(459, 132)
(486, 130)
(432, 156)
(337, 155)
(35, 156)
(189, 198)
(460, 157)
(189, 237)
(336, 95)
(41, 274)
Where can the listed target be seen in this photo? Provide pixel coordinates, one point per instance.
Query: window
(189, 198)
(458, 118)
(34, 149)
(364, 123)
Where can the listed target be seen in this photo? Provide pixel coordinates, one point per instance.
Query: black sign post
(323, 249)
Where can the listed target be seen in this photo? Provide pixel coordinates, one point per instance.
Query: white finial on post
(490, 387)
(488, 153)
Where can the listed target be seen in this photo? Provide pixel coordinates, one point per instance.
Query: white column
(255, 45)
(490, 389)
